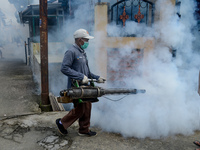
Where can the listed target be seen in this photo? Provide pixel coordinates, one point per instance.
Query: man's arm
(93, 76)
(66, 67)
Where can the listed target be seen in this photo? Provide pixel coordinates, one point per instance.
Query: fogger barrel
(88, 92)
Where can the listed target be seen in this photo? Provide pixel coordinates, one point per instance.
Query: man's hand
(101, 80)
(85, 80)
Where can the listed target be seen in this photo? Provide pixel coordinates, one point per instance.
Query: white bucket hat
(82, 33)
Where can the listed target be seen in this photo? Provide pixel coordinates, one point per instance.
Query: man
(75, 66)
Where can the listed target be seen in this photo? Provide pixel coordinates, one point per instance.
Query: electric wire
(115, 99)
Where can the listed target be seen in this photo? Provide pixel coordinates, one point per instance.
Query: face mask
(85, 45)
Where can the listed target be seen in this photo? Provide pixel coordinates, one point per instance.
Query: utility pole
(45, 103)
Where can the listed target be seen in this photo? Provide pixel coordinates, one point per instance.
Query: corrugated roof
(33, 11)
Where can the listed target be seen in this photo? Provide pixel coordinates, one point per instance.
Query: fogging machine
(91, 92)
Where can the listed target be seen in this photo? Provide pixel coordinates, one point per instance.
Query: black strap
(87, 64)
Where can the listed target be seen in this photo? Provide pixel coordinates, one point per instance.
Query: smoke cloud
(13, 34)
(171, 102)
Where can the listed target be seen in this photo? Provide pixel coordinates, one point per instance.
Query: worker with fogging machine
(75, 66)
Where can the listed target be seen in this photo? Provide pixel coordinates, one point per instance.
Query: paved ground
(23, 126)
(18, 91)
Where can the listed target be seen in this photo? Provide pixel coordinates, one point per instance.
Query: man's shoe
(197, 143)
(90, 133)
(61, 129)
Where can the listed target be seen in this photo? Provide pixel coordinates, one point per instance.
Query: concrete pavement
(18, 94)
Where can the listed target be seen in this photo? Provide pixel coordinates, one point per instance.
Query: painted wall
(101, 21)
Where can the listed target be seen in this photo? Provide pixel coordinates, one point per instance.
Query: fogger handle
(92, 80)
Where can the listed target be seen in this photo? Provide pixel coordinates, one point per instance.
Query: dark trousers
(82, 111)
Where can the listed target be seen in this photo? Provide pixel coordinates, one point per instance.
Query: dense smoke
(171, 104)
(13, 34)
